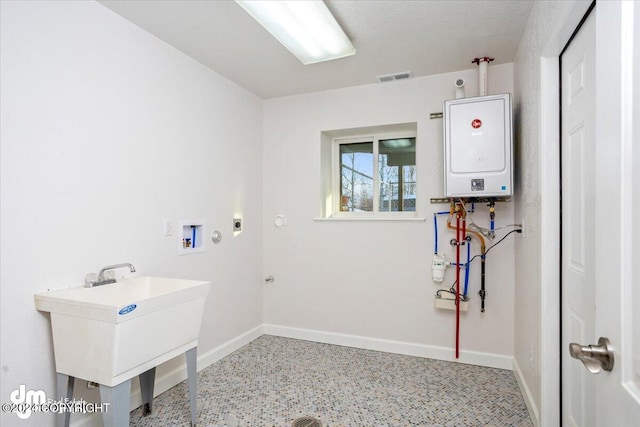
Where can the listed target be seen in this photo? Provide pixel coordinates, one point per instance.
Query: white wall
(527, 197)
(536, 88)
(106, 131)
(373, 279)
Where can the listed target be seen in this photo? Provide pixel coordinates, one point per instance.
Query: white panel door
(578, 221)
(600, 224)
(618, 209)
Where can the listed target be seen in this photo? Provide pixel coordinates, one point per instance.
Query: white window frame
(336, 176)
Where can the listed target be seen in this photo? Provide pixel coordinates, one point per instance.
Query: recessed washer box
(191, 236)
(478, 146)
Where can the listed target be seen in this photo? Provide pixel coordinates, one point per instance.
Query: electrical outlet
(531, 357)
(167, 228)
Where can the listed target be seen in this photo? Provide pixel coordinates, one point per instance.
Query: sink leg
(118, 398)
(192, 376)
(64, 390)
(147, 380)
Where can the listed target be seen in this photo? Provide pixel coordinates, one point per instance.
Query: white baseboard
(389, 346)
(227, 348)
(526, 394)
(177, 375)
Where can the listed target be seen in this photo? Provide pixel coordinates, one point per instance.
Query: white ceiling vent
(393, 77)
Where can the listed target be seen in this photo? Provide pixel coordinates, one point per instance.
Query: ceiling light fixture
(398, 143)
(306, 28)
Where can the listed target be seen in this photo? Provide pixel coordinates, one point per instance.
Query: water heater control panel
(478, 146)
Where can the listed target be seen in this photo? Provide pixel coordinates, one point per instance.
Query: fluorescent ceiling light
(398, 143)
(305, 27)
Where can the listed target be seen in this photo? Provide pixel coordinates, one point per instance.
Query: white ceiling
(422, 36)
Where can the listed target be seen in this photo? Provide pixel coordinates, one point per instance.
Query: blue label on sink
(127, 309)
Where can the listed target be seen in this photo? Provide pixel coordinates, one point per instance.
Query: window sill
(369, 218)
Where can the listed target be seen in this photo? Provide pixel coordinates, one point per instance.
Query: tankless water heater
(478, 146)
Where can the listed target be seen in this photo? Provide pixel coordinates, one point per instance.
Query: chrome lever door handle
(594, 357)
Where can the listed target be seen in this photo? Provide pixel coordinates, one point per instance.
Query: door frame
(567, 20)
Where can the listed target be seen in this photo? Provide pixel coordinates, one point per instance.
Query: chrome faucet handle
(90, 279)
(100, 279)
(113, 267)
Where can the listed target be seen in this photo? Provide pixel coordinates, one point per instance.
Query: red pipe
(458, 285)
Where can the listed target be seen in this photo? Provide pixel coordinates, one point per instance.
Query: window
(369, 173)
(376, 174)
(397, 172)
(356, 176)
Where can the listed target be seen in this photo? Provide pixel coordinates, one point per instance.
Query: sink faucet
(102, 281)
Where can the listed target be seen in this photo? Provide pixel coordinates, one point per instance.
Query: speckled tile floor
(273, 380)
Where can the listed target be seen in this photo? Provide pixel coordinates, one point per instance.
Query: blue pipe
(492, 214)
(466, 270)
(453, 264)
(435, 227)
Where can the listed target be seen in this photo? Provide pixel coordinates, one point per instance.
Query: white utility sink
(111, 333)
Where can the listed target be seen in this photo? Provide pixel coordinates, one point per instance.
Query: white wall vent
(393, 77)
